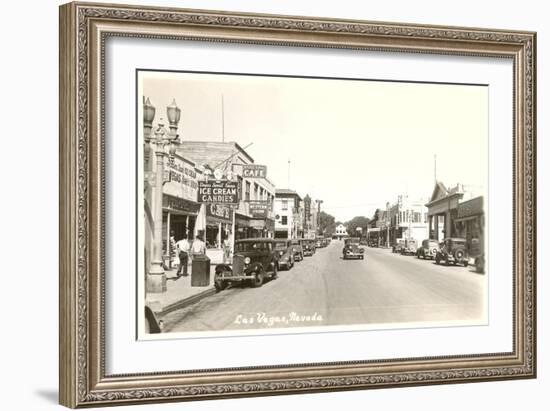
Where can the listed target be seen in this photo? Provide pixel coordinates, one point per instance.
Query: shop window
(247, 192)
(284, 220)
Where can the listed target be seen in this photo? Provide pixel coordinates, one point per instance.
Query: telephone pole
(223, 121)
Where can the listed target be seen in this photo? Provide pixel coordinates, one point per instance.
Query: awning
(181, 205)
(242, 221)
(463, 219)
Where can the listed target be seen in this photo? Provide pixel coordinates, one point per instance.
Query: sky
(355, 144)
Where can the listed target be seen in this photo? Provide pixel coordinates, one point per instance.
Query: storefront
(242, 227)
(470, 224)
(443, 210)
(219, 222)
(262, 227)
(180, 209)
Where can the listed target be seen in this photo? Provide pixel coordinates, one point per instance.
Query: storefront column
(168, 232)
(219, 236)
(187, 226)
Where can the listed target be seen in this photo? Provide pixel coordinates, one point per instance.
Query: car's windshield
(352, 241)
(252, 246)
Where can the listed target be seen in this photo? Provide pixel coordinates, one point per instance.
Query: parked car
(364, 241)
(428, 249)
(297, 249)
(453, 250)
(373, 243)
(254, 260)
(410, 246)
(308, 246)
(352, 249)
(285, 253)
(398, 245)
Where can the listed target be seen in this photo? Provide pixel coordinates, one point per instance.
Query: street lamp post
(162, 143)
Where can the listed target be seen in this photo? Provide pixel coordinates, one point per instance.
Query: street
(326, 290)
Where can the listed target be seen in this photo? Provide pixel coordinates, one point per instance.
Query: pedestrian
(226, 250)
(198, 247)
(172, 250)
(183, 253)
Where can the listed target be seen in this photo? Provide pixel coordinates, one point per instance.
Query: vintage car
(364, 241)
(308, 246)
(254, 260)
(352, 249)
(373, 243)
(320, 242)
(285, 253)
(297, 250)
(428, 249)
(453, 250)
(410, 246)
(398, 245)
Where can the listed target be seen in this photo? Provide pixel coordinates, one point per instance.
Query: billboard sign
(258, 209)
(219, 212)
(254, 171)
(218, 191)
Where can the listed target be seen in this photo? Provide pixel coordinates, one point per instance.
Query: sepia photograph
(282, 204)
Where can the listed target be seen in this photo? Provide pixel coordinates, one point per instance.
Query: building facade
(287, 210)
(311, 217)
(470, 224)
(408, 219)
(253, 216)
(340, 232)
(456, 212)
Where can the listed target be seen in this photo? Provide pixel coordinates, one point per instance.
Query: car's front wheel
(258, 279)
(220, 285)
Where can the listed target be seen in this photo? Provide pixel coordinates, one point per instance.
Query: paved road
(326, 290)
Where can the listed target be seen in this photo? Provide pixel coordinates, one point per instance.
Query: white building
(340, 232)
(408, 219)
(288, 221)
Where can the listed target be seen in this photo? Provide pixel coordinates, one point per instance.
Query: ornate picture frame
(84, 29)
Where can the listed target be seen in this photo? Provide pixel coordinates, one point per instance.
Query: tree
(357, 225)
(327, 224)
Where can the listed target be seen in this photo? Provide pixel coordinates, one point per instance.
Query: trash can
(200, 271)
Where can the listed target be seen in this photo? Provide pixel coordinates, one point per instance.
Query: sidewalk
(179, 292)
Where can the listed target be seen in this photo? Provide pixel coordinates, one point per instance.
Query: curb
(186, 302)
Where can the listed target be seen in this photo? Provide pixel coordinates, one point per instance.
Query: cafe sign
(258, 209)
(218, 191)
(254, 171)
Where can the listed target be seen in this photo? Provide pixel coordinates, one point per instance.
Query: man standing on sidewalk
(227, 250)
(182, 246)
(198, 247)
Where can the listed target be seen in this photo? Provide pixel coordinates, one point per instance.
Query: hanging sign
(254, 171)
(221, 192)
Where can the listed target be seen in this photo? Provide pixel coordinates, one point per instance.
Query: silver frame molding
(84, 27)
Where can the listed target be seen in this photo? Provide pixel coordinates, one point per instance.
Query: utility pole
(223, 121)
(288, 174)
(435, 168)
